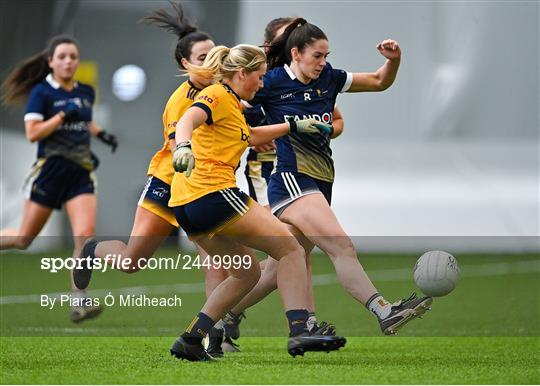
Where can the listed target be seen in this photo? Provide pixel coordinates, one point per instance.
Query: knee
(297, 250)
(342, 249)
(289, 247)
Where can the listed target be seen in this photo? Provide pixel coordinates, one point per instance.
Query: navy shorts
(286, 187)
(211, 213)
(258, 176)
(55, 180)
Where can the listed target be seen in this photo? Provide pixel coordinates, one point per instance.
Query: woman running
(59, 118)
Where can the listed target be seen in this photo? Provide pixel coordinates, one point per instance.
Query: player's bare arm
(384, 77)
(38, 130)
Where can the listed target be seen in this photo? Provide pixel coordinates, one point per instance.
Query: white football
(436, 273)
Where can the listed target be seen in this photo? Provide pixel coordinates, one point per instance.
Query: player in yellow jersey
(211, 137)
(154, 220)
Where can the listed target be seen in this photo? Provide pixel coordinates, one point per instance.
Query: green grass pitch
(486, 331)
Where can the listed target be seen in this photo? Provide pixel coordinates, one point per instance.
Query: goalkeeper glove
(108, 139)
(309, 126)
(71, 112)
(183, 159)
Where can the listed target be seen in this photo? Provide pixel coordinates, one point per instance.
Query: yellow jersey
(180, 100)
(217, 146)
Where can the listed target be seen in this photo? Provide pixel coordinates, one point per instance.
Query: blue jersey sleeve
(342, 78)
(36, 106)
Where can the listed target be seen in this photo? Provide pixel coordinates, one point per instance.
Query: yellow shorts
(155, 198)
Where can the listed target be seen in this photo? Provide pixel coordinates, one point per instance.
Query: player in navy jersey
(302, 84)
(59, 118)
(261, 159)
(259, 166)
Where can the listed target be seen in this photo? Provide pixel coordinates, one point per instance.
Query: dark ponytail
(177, 24)
(30, 72)
(298, 34)
(273, 26)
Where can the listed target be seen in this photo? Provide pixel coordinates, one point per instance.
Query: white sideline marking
(402, 274)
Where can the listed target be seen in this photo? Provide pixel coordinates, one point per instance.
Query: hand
(310, 126)
(71, 112)
(183, 159)
(264, 148)
(108, 139)
(389, 49)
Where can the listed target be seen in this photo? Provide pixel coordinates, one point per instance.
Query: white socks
(220, 324)
(379, 306)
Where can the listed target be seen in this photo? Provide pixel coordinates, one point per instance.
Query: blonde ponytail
(223, 62)
(213, 62)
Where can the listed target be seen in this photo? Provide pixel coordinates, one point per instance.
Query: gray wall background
(450, 149)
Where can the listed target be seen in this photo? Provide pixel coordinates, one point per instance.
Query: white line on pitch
(402, 274)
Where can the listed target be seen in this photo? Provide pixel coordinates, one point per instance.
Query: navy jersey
(255, 116)
(284, 97)
(71, 139)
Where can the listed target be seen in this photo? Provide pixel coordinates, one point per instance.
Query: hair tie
(299, 25)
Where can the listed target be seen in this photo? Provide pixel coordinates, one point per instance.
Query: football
(436, 273)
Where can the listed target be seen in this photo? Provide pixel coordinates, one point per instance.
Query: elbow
(381, 82)
(31, 137)
(32, 132)
(338, 130)
(385, 83)
(381, 86)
